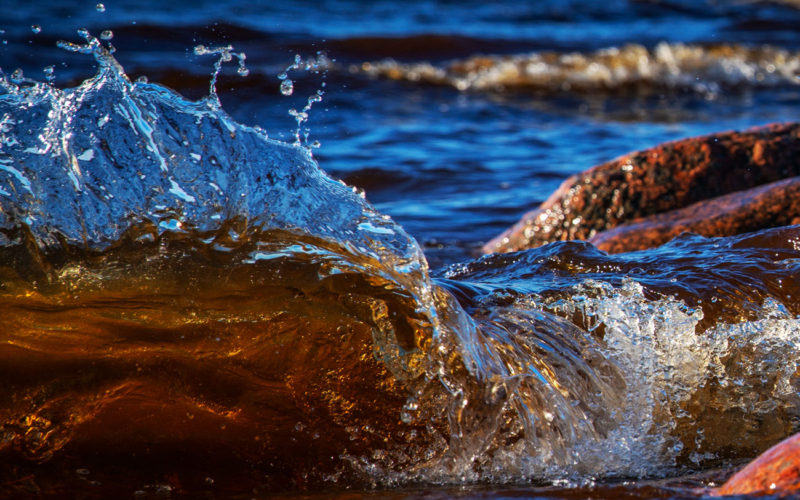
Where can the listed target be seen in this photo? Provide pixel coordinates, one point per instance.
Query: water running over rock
(188, 303)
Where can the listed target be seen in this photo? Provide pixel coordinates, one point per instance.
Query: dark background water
(453, 167)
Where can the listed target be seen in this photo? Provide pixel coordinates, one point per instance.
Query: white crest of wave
(701, 68)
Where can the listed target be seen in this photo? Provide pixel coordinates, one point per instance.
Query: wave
(187, 302)
(667, 66)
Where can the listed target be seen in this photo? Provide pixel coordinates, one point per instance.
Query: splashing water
(315, 65)
(226, 54)
(172, 254)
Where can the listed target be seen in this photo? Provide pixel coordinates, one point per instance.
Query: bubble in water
(100, 7)
(287, 87)
(36, 29)
(107, 35)
(83, 33)
(17, 76)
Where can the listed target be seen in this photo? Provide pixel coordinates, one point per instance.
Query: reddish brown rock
(775, 471)
(771, 205)
(668, 177)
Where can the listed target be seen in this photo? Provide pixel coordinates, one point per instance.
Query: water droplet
(107, 35)
(142, 79)
(83, 33)
(287, 87)
(282, 76)
(49, 73)
(17, 76)
(243, 71)
(36, 29)
(100, 7)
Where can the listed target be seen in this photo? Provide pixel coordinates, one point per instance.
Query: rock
(776, 471)
(771, 205)
(667, 177)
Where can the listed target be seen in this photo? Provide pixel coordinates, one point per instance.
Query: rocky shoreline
(717, 185)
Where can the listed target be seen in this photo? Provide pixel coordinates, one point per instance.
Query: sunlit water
(191, 304)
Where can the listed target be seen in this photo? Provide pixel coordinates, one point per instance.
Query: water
(192, 302)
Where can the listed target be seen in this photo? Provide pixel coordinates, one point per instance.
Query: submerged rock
(665, 178)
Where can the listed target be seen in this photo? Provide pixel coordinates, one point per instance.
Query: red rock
(775, 471)
(667, 177)
(771, 205)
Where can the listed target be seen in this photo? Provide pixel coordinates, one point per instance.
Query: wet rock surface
(653, 195)
(771, 205)
(776, 471)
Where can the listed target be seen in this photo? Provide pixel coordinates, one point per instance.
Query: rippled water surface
(192, 302)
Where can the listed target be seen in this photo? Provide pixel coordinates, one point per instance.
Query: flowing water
(191, 302)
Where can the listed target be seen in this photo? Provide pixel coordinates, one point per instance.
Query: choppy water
(191, 303)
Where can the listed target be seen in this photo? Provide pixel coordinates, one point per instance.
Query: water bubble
(100, 7)
(287, 87)
(107, 35)
(36, 29)
(83, 33)
(17, 76)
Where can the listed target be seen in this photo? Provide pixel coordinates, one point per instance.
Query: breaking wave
(184, 296)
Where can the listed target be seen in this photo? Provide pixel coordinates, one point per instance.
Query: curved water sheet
(186, 300)
(154, 250)
(703, 333)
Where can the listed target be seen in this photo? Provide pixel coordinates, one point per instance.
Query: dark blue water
(296, 303)
(453, 167)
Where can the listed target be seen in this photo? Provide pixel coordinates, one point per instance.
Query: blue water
(619, 355)
(453, 167)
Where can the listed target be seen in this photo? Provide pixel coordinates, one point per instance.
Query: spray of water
(225, 54)
(316, 65)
